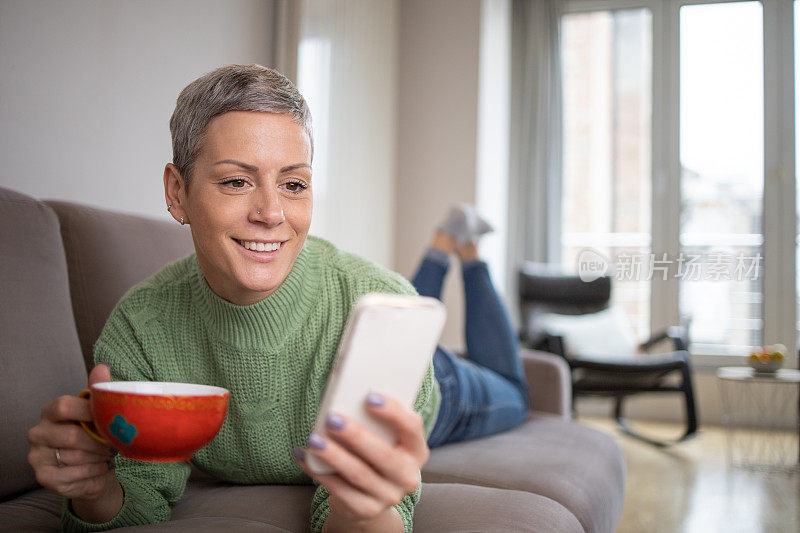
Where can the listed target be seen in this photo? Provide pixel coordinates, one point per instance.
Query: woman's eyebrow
(249, 168)
(295, 167)
(252, 168)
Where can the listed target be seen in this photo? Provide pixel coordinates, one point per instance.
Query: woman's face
(248, 162)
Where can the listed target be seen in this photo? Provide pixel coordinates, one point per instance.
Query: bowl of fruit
(768, 359)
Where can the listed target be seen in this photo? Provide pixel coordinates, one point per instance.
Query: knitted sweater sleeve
(320, 507)
(150, 489)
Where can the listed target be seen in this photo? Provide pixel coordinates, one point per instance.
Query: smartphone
(386, 347)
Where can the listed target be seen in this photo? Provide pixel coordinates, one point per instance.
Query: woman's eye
(295, 186)
(236, 183)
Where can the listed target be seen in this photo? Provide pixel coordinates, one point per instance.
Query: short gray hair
(230, 88)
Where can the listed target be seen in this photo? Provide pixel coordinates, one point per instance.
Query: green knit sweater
(274, 356)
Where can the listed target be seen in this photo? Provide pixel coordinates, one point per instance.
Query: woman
(259, 309)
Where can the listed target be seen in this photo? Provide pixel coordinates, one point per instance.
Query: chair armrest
(549, 382)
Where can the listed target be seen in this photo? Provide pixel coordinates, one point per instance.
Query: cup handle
(89, 427)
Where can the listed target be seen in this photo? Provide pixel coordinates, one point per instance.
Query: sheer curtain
(346, 69)
(535, 192)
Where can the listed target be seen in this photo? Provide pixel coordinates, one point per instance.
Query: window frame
(779, 208)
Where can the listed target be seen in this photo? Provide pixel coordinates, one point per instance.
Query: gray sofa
(62, 268)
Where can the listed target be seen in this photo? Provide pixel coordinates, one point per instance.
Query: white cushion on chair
(605, 335)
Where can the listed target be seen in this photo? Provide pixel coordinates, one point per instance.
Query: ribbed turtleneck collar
(264, 324)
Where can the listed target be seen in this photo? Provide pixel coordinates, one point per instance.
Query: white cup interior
(159, 387)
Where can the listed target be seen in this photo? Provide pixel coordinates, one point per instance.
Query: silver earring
(169, 207)
(259, 211)
(181, 221)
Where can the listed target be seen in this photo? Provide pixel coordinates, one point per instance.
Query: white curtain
(535, 191)
(347, 70)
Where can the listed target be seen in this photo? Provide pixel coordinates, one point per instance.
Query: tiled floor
(690, 488)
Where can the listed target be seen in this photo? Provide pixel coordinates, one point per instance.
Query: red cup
(155, 421)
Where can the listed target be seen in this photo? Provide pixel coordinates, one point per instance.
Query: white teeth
(260, 246)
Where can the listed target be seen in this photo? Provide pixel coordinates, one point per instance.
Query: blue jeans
(486, 392)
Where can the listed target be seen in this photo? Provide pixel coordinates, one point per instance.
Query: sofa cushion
(39, 351)
(442, 507)
(455, 507)
(214, 506)
(107, 254)
(576, 466)
(37, 510)
(286, 507)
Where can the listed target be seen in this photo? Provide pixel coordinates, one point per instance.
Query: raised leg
(491, 341)
(431, 271)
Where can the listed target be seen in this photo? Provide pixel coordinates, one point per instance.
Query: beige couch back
(63, 267)
(40, 357)
(107, 254)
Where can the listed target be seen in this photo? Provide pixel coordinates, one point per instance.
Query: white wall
(347, 70)
(87, 89)
(437, 131)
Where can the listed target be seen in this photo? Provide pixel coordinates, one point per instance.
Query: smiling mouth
(255, 246)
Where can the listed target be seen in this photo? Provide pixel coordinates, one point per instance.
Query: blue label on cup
(122, 430)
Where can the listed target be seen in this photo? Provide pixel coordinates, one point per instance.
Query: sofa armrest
(549, 383)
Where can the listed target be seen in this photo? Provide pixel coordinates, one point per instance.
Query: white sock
(464, 224)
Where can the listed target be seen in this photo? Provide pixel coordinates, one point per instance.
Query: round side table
(755, 407)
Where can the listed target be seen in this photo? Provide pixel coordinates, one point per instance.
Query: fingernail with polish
(299, 453)
(375, 399)
(316, 442)
(335, 421)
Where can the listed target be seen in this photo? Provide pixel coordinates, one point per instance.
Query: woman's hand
(372, 475)
(69, 462)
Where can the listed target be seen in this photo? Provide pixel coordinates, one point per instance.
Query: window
(722, 174)
(606, 69)
(669, 157)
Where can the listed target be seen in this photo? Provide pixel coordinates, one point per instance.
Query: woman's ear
(175, 193)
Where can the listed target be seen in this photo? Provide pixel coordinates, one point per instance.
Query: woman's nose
(268, 209)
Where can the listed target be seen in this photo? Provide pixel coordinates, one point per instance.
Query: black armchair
(544, 291)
